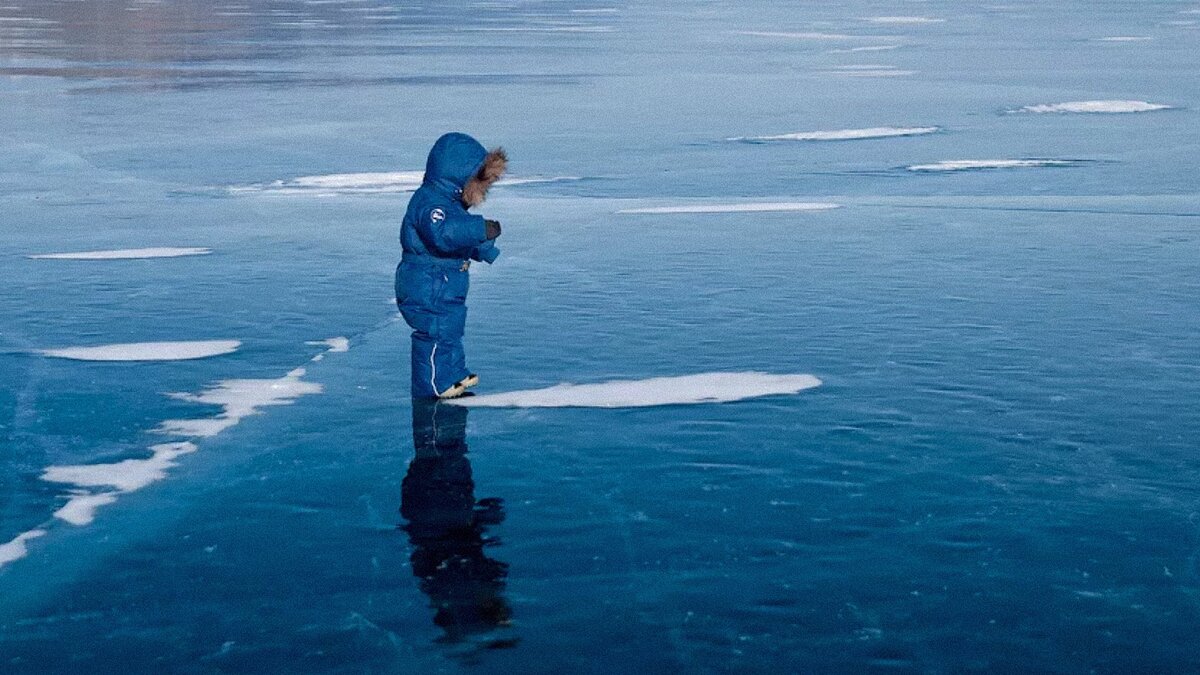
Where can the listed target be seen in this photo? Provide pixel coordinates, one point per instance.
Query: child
(440, 239)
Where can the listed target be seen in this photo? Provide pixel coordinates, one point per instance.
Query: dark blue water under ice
(998, 473)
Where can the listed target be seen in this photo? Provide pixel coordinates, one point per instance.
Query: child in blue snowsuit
(440, 239)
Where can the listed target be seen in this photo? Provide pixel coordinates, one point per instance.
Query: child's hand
(493, 228)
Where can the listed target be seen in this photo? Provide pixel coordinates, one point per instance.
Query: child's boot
(460, 387)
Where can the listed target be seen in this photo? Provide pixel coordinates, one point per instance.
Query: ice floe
(978, 164)
(16, 549)
(753, 207)
(387, 182)
(124, 254)
(1094, 107)
(657, 391)
(147, 351)
(841, 134)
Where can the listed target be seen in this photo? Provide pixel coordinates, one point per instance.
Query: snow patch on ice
(658, 391)
(868, 48)
(122, 477)
(804, 36)
(869, 71)
(81, 508)
(147, 351)
(337, 345)
(125, 476)
(238, 399)
(1094, 107)
(841, 134)
(755, 207)
(978, 164)
(904, 20)
(16, 549)
(388, 182)
(124, 254)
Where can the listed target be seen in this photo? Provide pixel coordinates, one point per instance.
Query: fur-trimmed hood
(460, 165)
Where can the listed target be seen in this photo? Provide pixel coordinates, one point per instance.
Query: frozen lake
(826, 337)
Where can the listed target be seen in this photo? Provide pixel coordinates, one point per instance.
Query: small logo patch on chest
(437, 216)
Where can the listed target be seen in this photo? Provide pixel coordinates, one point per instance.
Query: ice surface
(124, 254)
(755, 207)
(868, 48)
(147, 351)
(1095, 107)
(1125, 38)
(16, 549)
(841, 134)
(977, 164)
(387, 182)
(679, 390)
(239, 399)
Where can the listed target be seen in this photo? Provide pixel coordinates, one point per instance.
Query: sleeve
(451, 231)
(486, 252)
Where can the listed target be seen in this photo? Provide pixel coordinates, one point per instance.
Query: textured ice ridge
(657, 391)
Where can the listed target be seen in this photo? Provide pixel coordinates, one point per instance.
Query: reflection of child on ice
(440, 239)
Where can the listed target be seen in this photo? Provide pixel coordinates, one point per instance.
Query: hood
(454, 159)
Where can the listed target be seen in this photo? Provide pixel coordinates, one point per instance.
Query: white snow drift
(125, 254)
(147, 351)
(680, 390)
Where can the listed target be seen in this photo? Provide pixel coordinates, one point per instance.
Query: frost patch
(658, 391)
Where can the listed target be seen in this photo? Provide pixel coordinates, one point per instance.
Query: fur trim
(475, 191)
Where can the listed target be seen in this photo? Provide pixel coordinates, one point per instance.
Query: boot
(460, 387)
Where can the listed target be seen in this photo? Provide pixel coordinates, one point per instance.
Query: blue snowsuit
(439, 239)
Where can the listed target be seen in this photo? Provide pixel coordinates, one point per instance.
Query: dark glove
(493, 228)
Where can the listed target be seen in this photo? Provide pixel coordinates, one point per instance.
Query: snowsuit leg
(432, 299)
